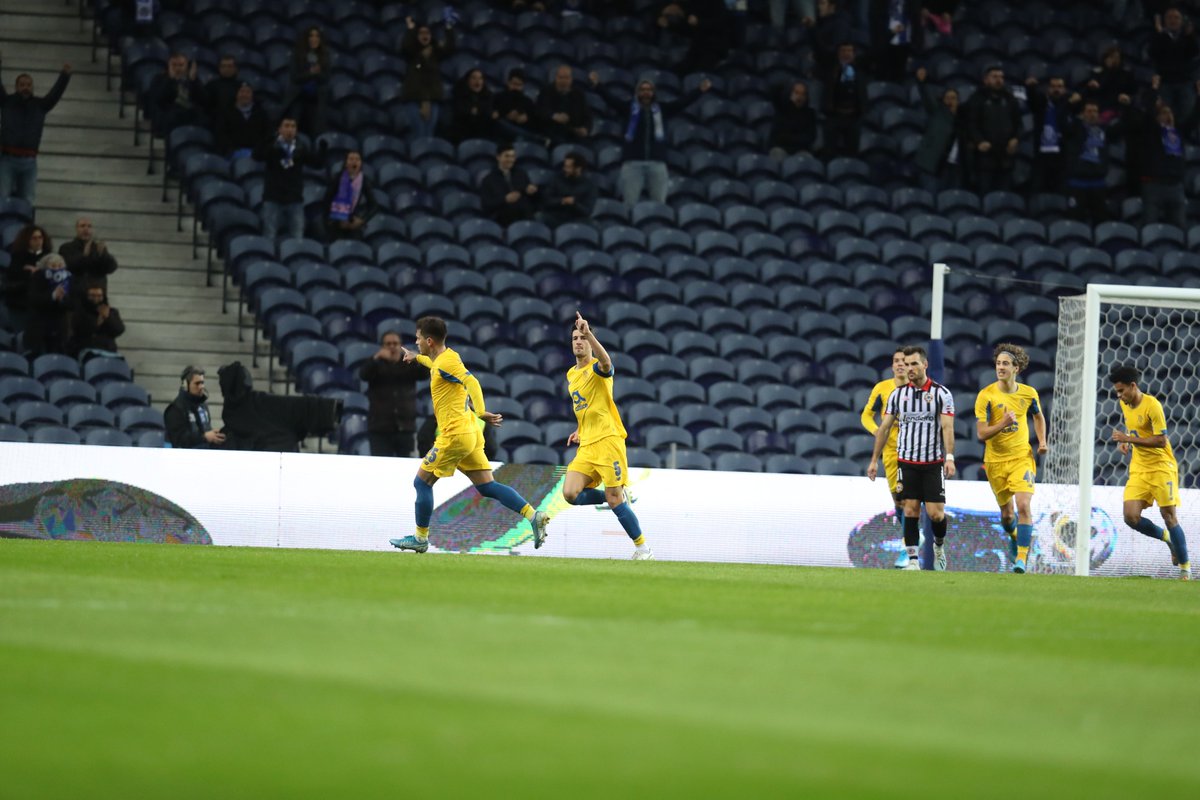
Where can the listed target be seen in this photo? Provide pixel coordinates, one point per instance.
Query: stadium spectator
(348, 204)
(1109, 81)
(830, 29)
(1086, 152)
(562, 109)
(473, 108)
(571, 194)
(267, 422)
(176, 97)
(29, 246)
(708, 26)
(939, 15)
(392, 396)
(1051, 109)
(1164, 164)
(514, 110)
(845, 104)
(50, 303)
(423, 82)
(992, 121)
(803, 10)
(896, 33)
(87, 257)
(188, 423)
(242, 125)
(644, 156)
(308, 92)
(221, 91)
(95, 325)
(1172, 50)
(283, 185)
(506, 193)
(22, 119)
(795, 126)
(939, 156)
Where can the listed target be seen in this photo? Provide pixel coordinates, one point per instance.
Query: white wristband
(949, 456)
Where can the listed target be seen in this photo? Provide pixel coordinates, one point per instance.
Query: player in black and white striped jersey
(924, 411)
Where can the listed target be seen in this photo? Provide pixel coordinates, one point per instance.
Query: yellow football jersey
(451, 384)
(1012, 442)
(592, 398)
(877, 402)
(1148, 420)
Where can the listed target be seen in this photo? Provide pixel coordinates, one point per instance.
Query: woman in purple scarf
(348, 203)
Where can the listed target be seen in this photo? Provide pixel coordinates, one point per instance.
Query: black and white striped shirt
(919, 411)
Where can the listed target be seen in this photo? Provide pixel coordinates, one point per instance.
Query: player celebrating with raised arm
(600, 436)
(1001, 412)
(875, 405)
(459, 444)
(1153, 471)
(924, 411)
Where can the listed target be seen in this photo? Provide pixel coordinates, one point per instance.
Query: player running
(1001, 422)
(925, 450)
(876, 403)
(600, 436)
(1153, 471)
(459, 444)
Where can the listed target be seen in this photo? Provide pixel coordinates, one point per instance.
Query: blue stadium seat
(84, 416)
(54, 434)
(745, 419)
(738, 462)
(107, 437)
(52, 366)
(715, 440)
(729, 394)
(11, 433)
(15, 389)
(697, 417)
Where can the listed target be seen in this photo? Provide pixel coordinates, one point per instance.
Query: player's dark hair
(1124, 373)
(916, 350)
(1019, 356)
(432, 327)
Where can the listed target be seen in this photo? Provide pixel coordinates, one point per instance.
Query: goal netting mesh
(1161, 337)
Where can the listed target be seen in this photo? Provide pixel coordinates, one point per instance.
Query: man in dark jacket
(96, 324)
(516, 115)
(506, 193)
(283, 182)
(188, 423)
(242, 125)
(274, 423)
(1164, 165)
(220, 92)
(830, 29)
(176, 97)
(1087, 160)
(993, 122)
(644, 160)
(1173, 50)
(562, 109)
(392, 394)
(50, 302)
(22, 118)
(87, 257)
(939, 157)
(571, 195)
(794, 129)
(1051, 110)
(845, 104)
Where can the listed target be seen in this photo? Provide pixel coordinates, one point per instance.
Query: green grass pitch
(205, 672)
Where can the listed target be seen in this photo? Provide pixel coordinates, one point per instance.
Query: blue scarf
(1172, 144)
(636, 114)
(346, 198)
(1092, 145)
(289, 152)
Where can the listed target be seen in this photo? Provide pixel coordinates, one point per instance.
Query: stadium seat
(54, 434)
(697, 417)
(52, 366)
(107, 437)
(67, 392)
(134, 420)
(738, 462)
(84, 416)
(18, 388)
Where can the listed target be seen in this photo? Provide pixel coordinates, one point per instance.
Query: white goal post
(1154, 328)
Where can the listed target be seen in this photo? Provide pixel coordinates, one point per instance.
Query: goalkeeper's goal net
(1156, 330)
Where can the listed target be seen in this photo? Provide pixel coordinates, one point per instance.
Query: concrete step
(61, 48)
(42, 8)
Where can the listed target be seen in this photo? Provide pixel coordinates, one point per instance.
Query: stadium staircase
(89, 166)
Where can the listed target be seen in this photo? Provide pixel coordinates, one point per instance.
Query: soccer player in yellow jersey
(1002, 410)
(876, 404)
(1153, 471)
(600, 436)
(459, 443)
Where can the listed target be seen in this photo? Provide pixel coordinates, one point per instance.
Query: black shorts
(924, 482)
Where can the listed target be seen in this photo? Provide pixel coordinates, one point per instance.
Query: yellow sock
(1023, 553)
(422, 534)
(528, 511)
(639, 541)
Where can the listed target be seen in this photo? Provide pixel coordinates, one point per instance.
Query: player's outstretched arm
(602, 356)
